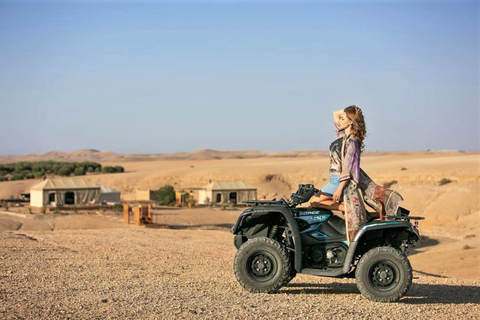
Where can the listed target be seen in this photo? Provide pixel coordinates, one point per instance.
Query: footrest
(403, 218)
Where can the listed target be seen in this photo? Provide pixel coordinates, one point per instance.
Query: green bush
(64, 171)
(29, 176)
(3, 179)
(17, 176)
(79, 171)
(166, 195)
(110, 169)
(38, 174)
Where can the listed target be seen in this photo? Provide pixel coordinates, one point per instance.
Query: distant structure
(68, 191)
(226, 192)
(71, 192)
(146, 195)
(109, 195)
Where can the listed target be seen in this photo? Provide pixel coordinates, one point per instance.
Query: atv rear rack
(403, 218)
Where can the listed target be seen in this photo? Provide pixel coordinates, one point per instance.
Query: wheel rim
(383, 275)
(261, 266)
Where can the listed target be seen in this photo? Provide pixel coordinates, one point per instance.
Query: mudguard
(403, 225)
(253, 217)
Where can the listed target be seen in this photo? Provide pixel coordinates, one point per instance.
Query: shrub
(64, 171)
(166, 195)
(3, 179)
(29, 176)
(79, 171)
(270, 177)
(110, 169)
(444, 181)
(17, 176)
(38, 174)
(389, 184)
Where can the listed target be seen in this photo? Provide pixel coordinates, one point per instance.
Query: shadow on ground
(418, 293)
(424, 242)
(223, 226)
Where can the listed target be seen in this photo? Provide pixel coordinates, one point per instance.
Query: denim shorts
(330, 188)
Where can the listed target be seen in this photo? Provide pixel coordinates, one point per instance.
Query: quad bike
(275, 240)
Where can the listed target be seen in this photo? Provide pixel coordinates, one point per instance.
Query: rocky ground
(181, 271)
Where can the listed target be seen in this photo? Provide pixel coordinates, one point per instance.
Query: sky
(178, 76)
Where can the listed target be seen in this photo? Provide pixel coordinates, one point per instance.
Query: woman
(347, 181)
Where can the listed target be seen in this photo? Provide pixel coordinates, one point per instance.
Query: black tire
(292, 275)
(384, 274)
(293, 272)
(261, 265)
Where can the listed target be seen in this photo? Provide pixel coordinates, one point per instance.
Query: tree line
(36, 170)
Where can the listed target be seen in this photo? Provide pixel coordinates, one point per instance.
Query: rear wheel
(262, 265)
(384, 274)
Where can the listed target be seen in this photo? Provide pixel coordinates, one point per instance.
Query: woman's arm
(338, 193)
(351, 161)
(337, 114)
(350, 168)
(336, 118)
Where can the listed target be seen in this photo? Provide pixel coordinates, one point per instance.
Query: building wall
(36, 198)
(110, 197)
(206, 197)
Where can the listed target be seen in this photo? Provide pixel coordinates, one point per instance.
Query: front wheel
(384, 274)
(262, 265)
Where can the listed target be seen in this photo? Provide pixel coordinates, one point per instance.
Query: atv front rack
(266, 202)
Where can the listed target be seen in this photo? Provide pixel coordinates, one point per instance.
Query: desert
(91, 265)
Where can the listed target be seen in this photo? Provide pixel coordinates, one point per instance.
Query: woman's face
(343, 122)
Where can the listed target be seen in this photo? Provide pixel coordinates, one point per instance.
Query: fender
(405, 226)
(258, 211)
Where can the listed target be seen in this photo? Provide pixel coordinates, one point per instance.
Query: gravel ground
(185, 273)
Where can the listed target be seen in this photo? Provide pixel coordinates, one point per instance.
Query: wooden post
(150, 218)
(137, 215)
(126, 213)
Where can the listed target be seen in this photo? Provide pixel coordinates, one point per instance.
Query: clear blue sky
(165, 76)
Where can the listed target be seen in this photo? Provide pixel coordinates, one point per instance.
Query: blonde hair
(359, 128)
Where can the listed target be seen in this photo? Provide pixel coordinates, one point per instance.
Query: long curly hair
(359, 128)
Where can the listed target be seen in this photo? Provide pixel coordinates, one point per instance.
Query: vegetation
(389, 184)
(36, 170)
(444, 181)
(166, 195)
(115, 169)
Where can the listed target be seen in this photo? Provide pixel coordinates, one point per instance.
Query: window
(232, 197)
(51, 198)
(69, 198)
(219, 198)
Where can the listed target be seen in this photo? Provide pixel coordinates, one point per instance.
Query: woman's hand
(338, 193)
